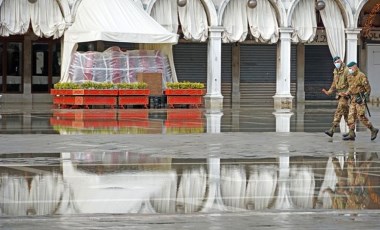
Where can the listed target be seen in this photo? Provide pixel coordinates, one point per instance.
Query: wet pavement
(185, 168)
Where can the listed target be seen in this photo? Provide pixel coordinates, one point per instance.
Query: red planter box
(191, 97)
(84, 97)
(134, 97)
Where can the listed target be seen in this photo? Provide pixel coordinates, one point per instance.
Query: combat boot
(374, 132)
(330, 132)
(346, 134)
(351, 136)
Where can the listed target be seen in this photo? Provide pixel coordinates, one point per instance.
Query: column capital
(216, 29)
(353, 30)
(286, 30)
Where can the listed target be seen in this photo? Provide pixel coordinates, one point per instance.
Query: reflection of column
(214, 197)
(213, 97)
(235, 120)
(283, 98)
(26, 121)
(300, 117)
(214, 118)
(283, 200)
(282, 120)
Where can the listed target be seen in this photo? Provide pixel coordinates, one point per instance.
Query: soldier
(359, 90)
(339, 86)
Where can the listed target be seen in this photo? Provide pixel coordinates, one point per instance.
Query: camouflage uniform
(340, 85)
(358, 84)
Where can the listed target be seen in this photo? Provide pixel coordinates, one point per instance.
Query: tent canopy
(111, 20)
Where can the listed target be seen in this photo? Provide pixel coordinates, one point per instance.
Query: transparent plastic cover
(114, 65)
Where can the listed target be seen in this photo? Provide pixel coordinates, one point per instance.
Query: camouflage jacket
(359, 84)
(340, 82)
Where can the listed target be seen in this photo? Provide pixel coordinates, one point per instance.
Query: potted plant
(135, 93)
(184, 93)
(73, 95)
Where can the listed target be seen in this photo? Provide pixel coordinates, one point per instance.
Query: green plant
(84, 85)
(185, 85)
(66, 85)
(133, 85)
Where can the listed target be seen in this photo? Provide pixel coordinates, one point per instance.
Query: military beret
(336, 58)
(351, 64)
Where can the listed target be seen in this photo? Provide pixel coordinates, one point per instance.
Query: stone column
(27, 96)
(352, 55)
(352, 44)
(213, 97)
(283, 98)
(300, 73)
(236, 75)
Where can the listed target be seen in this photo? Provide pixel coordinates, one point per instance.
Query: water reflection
(129, 121)
(166, 121)
(124, 182)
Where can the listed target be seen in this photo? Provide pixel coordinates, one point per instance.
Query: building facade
(246, 51)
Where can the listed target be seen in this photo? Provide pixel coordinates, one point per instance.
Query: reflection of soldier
(338, 197)
(352, 188)
(339, 85)
(359, 91)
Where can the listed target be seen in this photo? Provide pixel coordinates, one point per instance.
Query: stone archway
(343, 5)
(209, 7)
(278, 9)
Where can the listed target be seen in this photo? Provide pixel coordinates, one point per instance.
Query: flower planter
(184, 121)
(191, 97)
(133, 97)
(83, 114)
(70, 98)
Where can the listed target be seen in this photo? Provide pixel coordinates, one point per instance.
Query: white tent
(112, 20)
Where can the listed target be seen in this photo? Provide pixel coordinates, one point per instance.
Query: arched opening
(369, 21)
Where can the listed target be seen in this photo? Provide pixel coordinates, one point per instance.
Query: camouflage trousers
(357, 112)
(341, 110)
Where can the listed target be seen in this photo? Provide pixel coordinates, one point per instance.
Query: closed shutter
(191, 65)
(258, 74)
(190, 60)
(227, 74)
(318, 72)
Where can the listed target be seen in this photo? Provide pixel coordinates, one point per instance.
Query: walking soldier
(359, 91)
(339, 86)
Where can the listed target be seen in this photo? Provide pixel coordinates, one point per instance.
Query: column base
(213, 102)
(283, 101)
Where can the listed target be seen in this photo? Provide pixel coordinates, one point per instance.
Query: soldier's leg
(345, 108)
(339, 112)
(351, 122)
(362, 117)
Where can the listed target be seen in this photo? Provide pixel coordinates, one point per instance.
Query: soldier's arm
(332, 87)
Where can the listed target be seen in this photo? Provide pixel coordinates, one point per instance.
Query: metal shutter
(190, 60)
(318, 72)
(258, 74)
(227, 74)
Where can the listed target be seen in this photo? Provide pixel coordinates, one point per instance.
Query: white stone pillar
(283, 98)
(352, 44)
(352, 54)
(213, 119)
(213, 97)
(283, 120)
